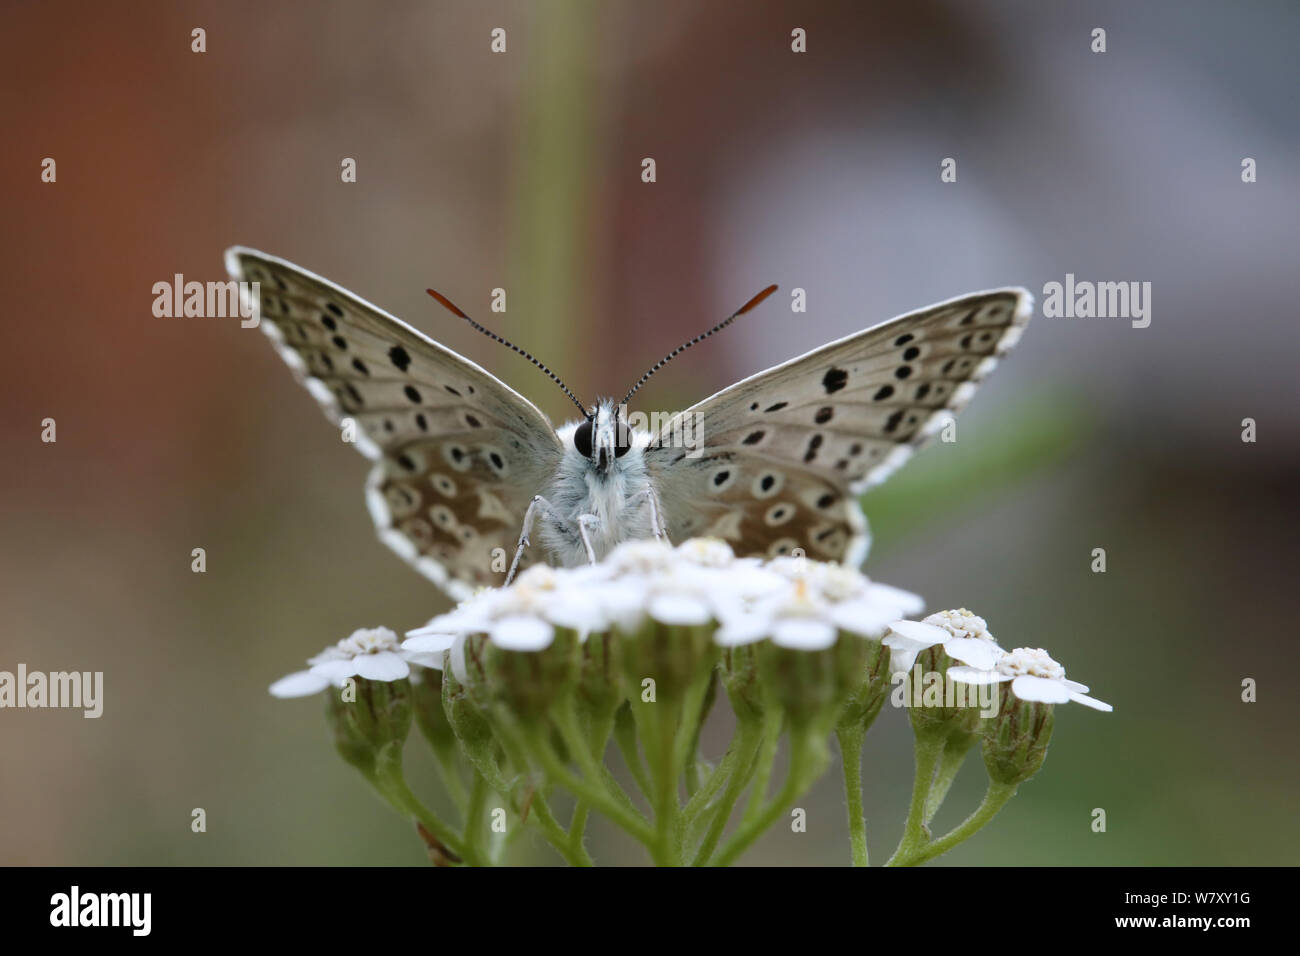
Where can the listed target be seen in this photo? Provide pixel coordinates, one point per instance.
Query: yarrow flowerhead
(1034, 676)
(370, 653)
(792, 601)
(962, 635)
(1016, 739)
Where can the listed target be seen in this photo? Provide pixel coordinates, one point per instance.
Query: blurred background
(522, 170)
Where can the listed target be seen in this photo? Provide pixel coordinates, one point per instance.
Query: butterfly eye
(582, 439)
(622, 440)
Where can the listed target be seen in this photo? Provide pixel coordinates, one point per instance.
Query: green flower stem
(955, 749)
(389, 780)
(658, 723)
(851, 738)
(451, 779)
(537, 810)
(537, 743)
(578, 826)
(708, 696)
(928, 747)
(584, 754)
(474, 817)
(625, 737)
(735, 759)
(739, 765)
(995, 798)
(772, 720)
(808, 756)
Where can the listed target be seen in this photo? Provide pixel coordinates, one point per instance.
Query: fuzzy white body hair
(616, 498)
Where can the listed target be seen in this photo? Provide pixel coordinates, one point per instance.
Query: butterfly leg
(538, 503)
(585, 523)
(653, 501)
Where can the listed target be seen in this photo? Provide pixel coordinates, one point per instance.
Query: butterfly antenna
(451, 307)
(752, 303)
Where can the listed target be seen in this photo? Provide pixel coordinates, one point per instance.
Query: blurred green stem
(851, 738)
(912, 854)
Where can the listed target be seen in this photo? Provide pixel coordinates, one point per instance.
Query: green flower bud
(865, 684)
(528, 681)
(600, 675)
(464, 707)
(740, 678)
(430, 717)
(937, 705)
(1015, 741)
(674, 656)
(379, 715)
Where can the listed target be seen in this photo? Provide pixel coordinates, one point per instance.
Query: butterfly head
(604, 437)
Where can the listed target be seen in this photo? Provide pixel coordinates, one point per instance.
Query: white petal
(300, 684)
(865, 617)
(432, 661)
(905, 601)
(742, 629)
(681, 609)
(803, 634)
(1092, 702)
(428, 643)
(1029, 687)
(457, 658)
(920, 633)
(336, 671)
(973, 651)
(976, 675)
(522, 633)
(384, 666)
(578, 614)
(1074, 685)
(900, 658)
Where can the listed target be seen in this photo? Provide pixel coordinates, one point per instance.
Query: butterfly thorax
(602, 473)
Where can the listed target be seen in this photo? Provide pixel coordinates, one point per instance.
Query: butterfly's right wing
(458, 453)
(786, 452)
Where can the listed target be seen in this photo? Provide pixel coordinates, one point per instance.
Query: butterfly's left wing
(458, 453)
(786, 452)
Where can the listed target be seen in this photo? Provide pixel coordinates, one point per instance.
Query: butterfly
(472, 482)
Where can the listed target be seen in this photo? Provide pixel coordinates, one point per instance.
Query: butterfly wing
(786, 452)
(458, 453)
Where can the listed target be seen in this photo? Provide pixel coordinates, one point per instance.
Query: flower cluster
(519, 691)
(794, 602)
(965, 637)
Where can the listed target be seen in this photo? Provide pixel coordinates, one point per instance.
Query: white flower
(1034, 676)
(965, 637)
(371, 653)
(522, 617)
(793, 601)
(815, 603)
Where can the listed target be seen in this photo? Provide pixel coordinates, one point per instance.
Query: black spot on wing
(834, 380)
